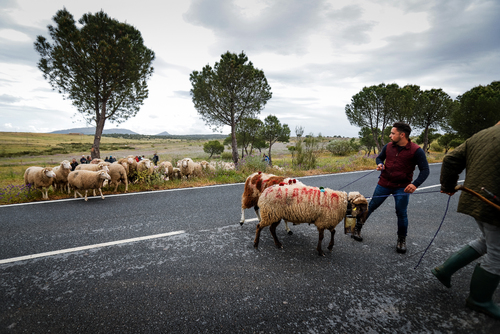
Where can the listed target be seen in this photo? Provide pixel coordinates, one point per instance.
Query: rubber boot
(482, 286)
(356, 235)
(455, 262)
(401, 245)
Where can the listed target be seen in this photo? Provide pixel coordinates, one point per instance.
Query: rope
(358, 179)
(442, 221)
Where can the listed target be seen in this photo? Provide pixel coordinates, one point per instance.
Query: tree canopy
(102, 66)
(273, 132)
(478, 109)
(229, 92)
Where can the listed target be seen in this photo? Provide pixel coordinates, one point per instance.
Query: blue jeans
(400, 198)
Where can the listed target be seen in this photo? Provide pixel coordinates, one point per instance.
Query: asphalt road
(208, 278)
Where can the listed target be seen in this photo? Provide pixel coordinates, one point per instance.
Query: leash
(442, 221)
(358, 179)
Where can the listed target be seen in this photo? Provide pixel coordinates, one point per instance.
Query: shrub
(251, 164)
(436, 147)
(226, 156)
(213, 147)
(339, 147)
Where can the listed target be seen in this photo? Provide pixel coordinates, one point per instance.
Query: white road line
(77, 249)
(434, 186)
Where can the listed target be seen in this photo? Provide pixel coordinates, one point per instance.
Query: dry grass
(12, 168)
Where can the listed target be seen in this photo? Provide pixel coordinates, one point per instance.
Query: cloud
(182, 94)
(282, 27)
(9, 98)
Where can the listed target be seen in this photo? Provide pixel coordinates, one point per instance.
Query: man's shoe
(356, 235)
(401, 246)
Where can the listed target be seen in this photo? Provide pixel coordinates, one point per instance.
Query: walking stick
(482, 198)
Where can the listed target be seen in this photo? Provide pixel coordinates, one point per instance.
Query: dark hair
(403, 127)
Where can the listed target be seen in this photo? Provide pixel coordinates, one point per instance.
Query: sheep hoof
(241, 223)
(279, 245)
(290, 232)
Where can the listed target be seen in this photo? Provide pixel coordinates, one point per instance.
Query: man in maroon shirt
(397, 161)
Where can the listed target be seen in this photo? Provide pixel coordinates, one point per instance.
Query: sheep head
(48, 172)
(65, 164)
(359, 205)
(104, 175)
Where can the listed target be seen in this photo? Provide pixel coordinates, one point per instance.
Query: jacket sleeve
(423, 167)
(453, 164)
(381, 157)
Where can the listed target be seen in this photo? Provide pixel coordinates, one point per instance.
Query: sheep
(298, 204)
(86, 179)
(118, 174)
(190, 168)
(145, 169)
(207, 167)
(255, 184)
(130, 165)
(176, 173)
(94, 167)
(61, 178)
(166, 168)
(39, 177)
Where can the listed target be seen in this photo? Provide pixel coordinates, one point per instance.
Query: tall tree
(234, 89)
(409, 104)
(273, 132)
(435, 109)
(368, 109)
(478, 109)
(101, 65)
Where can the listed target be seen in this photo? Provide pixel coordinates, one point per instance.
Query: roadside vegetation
(299, 157)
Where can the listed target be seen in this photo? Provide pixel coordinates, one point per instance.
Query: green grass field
(50, 149)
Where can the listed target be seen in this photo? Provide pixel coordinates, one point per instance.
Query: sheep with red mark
(39, 177)
(255, 184)
(298, 204)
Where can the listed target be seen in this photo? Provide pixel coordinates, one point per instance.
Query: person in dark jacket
(73, 164)
(155, 159)
(480, 157)
(397, 161)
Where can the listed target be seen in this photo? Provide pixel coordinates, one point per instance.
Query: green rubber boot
(456, 261)
(482, 286)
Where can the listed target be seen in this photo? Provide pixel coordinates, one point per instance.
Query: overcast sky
(316, 55)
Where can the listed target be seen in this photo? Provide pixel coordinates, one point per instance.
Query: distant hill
(164, 133)
(91, 131)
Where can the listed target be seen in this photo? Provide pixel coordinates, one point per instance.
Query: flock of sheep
(273, 197)
(96, 174)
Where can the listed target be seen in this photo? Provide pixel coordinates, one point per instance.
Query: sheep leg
(272, 228)
(101, 193)
(86, 199)
(320, 240)
(257, 212)
(257, 236)
(76, 192)
(242, 219)
(288, 228)
(93, 191)
(330, 245)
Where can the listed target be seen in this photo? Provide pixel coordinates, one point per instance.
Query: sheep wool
(299, 204)
(255, 184)
(61, 179)
(86, 179)
(118, 174)
(39, 178)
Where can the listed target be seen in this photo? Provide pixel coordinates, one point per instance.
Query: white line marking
(251, 220)
(436, 185)
(77, 249)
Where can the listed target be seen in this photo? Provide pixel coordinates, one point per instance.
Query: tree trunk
(95, 152)
(234, 144)
(374, 134)
(426, 139)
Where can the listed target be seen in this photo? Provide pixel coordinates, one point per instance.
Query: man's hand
(410, 188)
(380, 167)
(451, 194)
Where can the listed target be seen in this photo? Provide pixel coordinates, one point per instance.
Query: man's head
(400, 133)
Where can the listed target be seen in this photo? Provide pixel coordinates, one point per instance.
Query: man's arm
(423, 167)
(381, 158)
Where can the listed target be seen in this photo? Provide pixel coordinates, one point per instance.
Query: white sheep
(145, 168)
(118, 174)
(94, 167)
(166, 168)
(298, 204)
(86, 179)
(176, 173)
(61, 179)
(39, 177)
(255, 184)
(207, 167)
(131, 166)
(189, 168)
